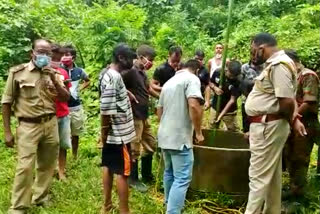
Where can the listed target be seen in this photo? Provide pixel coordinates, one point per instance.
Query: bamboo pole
(224, 58)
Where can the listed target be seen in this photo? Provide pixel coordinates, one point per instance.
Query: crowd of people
(279, 108)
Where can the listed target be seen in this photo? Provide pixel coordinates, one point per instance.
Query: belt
(264, 118)
(41, 119)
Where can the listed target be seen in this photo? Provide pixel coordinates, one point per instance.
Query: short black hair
(146, 51)
(293, 55)
(234, 67)
(192, 64)
(56, 48)
(199, 53)
(264, 39)
(124, 50)
(38, 40)
(181, 65)
(70, 49)
(175, 49)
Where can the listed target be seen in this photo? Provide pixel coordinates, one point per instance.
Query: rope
(213, 207)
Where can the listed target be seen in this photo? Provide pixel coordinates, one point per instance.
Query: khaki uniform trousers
(229, 121)
(144, 143)
(266, 144)
(36, 142)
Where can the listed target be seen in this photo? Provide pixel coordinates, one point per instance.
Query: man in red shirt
(62, 111)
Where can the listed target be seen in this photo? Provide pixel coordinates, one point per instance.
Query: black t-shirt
(163, 73)
(136, 81)
(231, 87)
(204, 77)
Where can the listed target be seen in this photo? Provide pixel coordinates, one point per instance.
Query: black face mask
(259, 58)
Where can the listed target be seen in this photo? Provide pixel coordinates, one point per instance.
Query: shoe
(134, 179)
(138, 185)
(286, 195)
(43, 204)
(146, 169)
(293, 208)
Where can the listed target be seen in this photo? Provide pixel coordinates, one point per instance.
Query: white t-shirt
(176, 128)
(214, 66)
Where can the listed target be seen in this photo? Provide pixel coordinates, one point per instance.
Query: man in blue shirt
(77, 75)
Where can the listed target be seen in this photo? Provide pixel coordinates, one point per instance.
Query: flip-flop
(107, 209)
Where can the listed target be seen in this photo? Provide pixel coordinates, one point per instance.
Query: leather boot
(146, 168)
(134, 179)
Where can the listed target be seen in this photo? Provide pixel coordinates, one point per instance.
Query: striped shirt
(115, 102)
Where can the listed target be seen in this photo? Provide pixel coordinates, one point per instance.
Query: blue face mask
(42, 60)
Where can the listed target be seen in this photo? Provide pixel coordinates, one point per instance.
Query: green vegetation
(95, 26)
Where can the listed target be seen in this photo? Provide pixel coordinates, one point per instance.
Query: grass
(81, 193)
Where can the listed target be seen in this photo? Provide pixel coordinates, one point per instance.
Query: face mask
(55, 64)
(259, 57)
(41, 61)
(67, 60)
(148, 64)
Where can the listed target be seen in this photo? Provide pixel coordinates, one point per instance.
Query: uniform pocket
(257, 132)
(28, 90)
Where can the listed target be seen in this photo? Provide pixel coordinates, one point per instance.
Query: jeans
(177, 177)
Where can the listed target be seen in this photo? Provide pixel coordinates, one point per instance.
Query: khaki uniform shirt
(308, 86)
(275, 81)
(30, 90)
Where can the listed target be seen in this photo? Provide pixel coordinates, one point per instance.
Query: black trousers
(245, 119)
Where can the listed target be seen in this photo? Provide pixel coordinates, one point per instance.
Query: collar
(275, 56)
(300, 68)
(216, 58)
(31, 66)
(141, 71)
(167, 64)
(137, 66)
(182, 71)
(67, 69)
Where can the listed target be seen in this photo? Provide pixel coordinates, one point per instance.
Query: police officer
(298, 149)
(31, 91)
(271, 108)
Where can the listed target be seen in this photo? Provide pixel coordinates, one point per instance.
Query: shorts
(116, 157)
(64, 132)
(77, 119)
